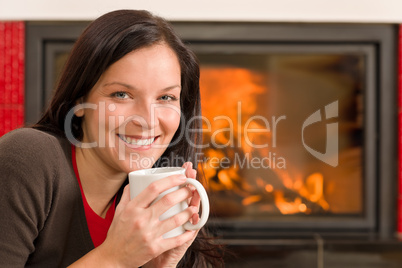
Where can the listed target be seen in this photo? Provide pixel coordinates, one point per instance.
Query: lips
(137, 142)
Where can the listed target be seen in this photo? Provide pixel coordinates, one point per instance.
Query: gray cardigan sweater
(42, 218)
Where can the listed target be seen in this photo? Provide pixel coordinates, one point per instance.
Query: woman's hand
(172, 257)
(135, 235)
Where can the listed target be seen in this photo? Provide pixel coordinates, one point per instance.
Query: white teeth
(141, 142)
(138, 142)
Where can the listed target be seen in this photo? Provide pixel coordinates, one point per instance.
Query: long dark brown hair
(105, 41)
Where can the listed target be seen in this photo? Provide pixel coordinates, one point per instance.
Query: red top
(98, 226)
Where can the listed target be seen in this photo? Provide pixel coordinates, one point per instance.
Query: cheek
(110, 116)
(91, 120)
(171, 120)
(98, 122)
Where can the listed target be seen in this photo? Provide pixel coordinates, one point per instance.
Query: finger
(149, 194)
(174, 242)
(195, 218)
(177, 220)
(171, 199)
(192, 188)
(187, 165)
(196, 200)
(190, 172)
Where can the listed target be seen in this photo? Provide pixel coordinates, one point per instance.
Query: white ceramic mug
(140, 179)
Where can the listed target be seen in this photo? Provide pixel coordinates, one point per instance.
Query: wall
(12, 45)
(387, 11)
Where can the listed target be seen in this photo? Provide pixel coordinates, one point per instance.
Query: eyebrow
(133, 88)
(120, 84)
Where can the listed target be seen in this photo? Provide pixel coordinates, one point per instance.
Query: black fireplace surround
(292, 241)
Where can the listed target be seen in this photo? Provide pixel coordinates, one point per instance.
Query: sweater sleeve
(26, 177)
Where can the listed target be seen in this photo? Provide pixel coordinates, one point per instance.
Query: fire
(234, 91)
(289, 207)
(269, 188)
(226, 92)
(225, 179)
(312, 190)
(251, 199)
(315, 188)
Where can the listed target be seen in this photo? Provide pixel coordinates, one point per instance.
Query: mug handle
(205, 206)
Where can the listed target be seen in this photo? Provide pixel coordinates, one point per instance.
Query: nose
(145, 116)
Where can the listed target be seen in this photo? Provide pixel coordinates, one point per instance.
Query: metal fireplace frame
(44, 39)
(380, 117)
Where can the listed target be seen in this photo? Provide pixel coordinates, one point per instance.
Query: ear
(78, 109)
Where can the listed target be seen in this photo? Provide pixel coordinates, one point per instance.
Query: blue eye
(120, 95)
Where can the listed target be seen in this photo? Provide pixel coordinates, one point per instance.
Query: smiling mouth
(137, 142)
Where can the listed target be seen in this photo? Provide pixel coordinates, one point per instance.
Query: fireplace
(257, 160)
(294, 128)
(299, 127)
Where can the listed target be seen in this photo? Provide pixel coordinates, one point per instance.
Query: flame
(234, 91)
(315, 187)
(225, 179)
(312, 190)
(289, 207)
(251, 199)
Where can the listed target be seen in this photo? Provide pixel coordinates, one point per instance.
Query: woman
(128, 93)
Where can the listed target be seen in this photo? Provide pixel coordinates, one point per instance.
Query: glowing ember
(251, 199)
(269, 188)
(288, 207)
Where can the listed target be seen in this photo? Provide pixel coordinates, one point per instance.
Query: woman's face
(134, 109)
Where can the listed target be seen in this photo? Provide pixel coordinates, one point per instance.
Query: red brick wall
(12, 54)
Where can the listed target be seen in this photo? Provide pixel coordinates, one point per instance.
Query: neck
(99, 183)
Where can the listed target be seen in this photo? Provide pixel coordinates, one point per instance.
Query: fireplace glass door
(285, 129)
